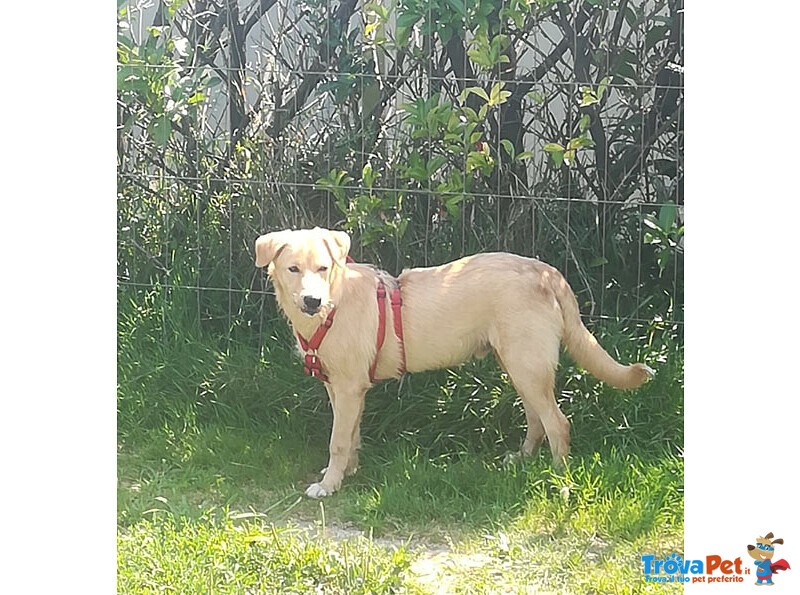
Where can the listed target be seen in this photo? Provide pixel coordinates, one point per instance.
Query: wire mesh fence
(428, 129)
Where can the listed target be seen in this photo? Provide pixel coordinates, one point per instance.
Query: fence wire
(427, 129)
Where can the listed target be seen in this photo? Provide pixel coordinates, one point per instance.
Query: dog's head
(305, 266)
(764, 548)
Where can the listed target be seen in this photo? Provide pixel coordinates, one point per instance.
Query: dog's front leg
(352, 462)
(347, 403)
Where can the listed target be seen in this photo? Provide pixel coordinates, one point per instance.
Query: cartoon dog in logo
(762, 552)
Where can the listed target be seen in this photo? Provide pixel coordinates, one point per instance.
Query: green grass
(573, 531)
(217, 445)
(229, 556)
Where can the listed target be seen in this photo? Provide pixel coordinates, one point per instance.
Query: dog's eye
(294, 269)
(322, 269)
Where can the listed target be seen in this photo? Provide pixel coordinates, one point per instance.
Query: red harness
(312, 364)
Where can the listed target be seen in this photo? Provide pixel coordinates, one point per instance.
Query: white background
(57, 270)
(742, 283)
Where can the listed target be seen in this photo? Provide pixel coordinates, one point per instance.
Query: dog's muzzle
(311, 305)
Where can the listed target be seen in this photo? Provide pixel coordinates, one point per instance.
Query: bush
(429, 129)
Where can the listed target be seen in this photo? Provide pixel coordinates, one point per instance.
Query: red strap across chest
(313, 365)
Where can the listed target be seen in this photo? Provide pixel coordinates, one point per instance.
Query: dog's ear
(768, 535)
(269, 246)
(339, 246)
(779, 540)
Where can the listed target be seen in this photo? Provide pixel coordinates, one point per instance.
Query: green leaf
(479, 92)
(402, 36)
(459, 7)
(553, 148)
(580, 142)
(472, 117)
(369, 176)
(497, 96)
(436, 163)
(485, 8)
(160, 130)
(524, 155)
(583, 124)
(626, 71)
(537, 97)
(198, 97)
(125, 74)
(666, 216)
(558, 157)
(408, 19)
(446, 34)
(588, 97)
(508, 146)
(602, 87)
(656, 35)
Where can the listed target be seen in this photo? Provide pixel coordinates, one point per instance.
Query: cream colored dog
(519, 308)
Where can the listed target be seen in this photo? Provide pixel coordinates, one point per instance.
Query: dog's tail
(582, 345)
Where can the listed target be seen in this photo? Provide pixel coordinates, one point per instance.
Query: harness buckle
(312, 365)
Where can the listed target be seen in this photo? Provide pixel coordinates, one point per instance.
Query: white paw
(513, 458)
(316, 491)
(650, 371)
(323, 471)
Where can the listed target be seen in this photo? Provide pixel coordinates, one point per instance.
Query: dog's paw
(650, 371)
(513, 458)
(316, 491)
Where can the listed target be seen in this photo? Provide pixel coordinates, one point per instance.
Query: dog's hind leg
(348, 404)
(535, 434)
(533, 375)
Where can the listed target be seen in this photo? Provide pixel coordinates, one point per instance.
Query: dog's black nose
(311, 303)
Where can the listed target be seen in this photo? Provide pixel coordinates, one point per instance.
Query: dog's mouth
(310, 312)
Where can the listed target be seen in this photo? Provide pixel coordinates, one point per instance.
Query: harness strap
(312, 364)
(381, 294)
(397, 317)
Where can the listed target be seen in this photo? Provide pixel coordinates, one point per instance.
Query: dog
(519, 308)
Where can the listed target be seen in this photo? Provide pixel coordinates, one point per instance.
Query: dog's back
(479, 303)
